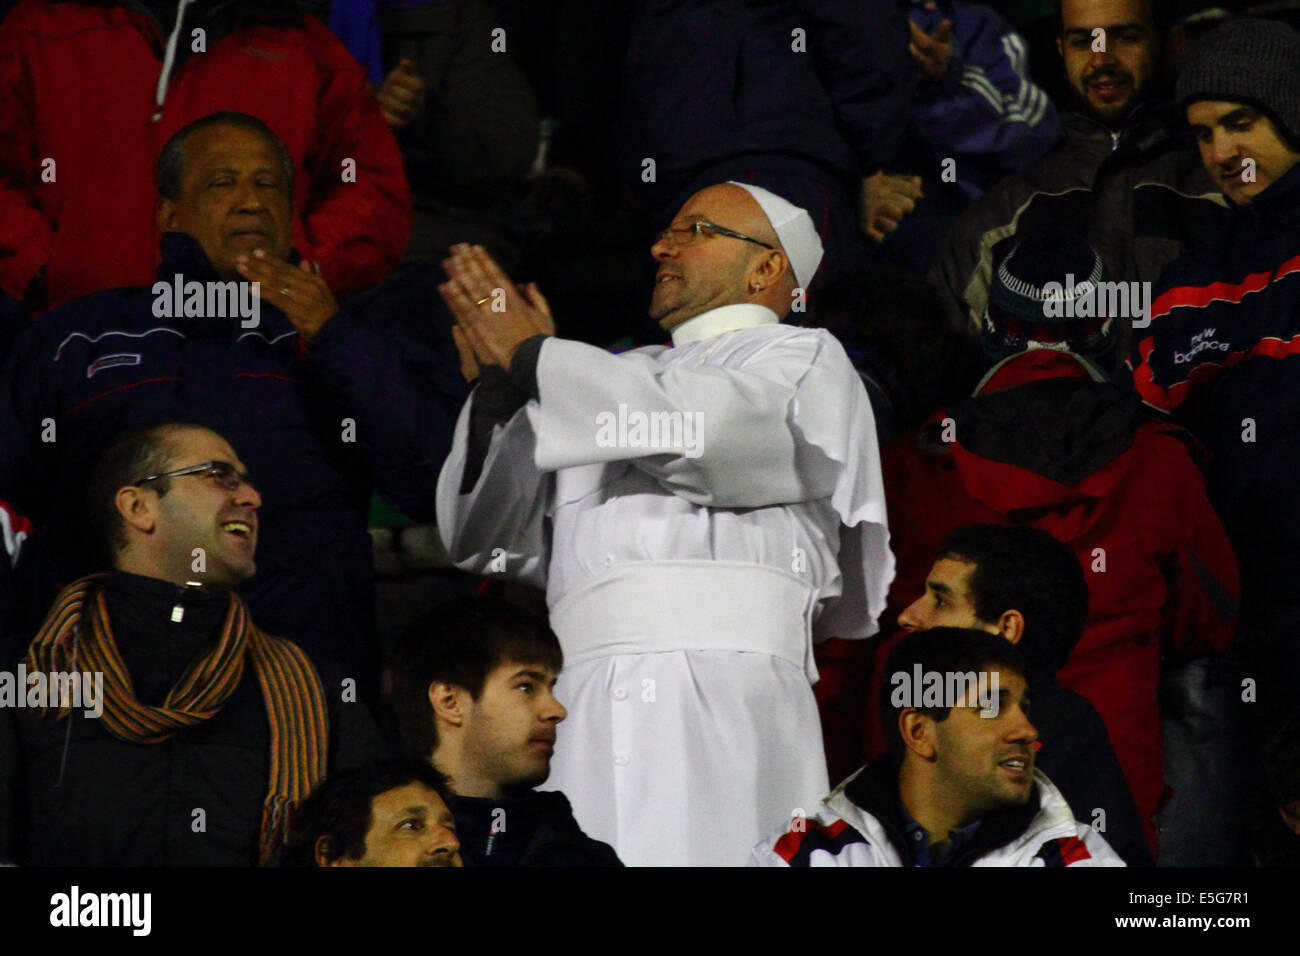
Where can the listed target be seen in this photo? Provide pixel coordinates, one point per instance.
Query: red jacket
(1072, 457)
(79, 85)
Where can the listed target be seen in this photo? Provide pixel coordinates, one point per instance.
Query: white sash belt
(646, 608)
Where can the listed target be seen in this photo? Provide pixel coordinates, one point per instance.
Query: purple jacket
(985, 112)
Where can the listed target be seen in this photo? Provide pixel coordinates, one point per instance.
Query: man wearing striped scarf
(210, 732)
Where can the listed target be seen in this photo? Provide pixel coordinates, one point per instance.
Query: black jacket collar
(537, 820)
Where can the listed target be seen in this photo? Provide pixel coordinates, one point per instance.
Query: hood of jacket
(1041, 432)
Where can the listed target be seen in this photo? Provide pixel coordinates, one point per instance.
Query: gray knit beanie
(1247, 61)
(1018, 311)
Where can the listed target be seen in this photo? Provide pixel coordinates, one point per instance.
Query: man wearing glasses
(696, 513)
(211, 731)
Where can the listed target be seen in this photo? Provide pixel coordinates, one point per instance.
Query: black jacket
(1139, 195)
(72, 794)
(533, 830)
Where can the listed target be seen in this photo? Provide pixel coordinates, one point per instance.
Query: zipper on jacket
(169, 59)
(72, 715)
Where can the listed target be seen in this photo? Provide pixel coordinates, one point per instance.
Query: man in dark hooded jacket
(1222, 354)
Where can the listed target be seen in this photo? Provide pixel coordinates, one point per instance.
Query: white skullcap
(794, 229)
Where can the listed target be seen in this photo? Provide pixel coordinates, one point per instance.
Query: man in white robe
(696, 514)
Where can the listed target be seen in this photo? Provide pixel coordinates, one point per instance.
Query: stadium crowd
(941, 508)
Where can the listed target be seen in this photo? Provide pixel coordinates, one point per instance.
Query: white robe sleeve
(748, 453)
(789, 423)
(500, 526)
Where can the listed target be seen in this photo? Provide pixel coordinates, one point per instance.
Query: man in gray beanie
(1240, 89)
(1222, 352)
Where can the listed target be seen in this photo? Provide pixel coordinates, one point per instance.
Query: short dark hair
(1028, 570)
(460, 642)
(170, 168)
(943, 650)
(1157, 10)
(340, 808)
(132, 454)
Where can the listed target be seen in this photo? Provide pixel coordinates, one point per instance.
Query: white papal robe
(686, 581)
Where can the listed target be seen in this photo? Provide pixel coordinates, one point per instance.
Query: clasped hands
(493, 315)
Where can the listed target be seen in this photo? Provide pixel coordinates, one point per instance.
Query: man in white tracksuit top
(844, 833)
(692, 511)
(958, 786)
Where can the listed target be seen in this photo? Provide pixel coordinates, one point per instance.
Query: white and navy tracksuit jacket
(861, 824)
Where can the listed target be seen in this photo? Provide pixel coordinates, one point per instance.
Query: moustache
(1107, 73)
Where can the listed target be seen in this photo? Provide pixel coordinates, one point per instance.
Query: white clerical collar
(727, 318)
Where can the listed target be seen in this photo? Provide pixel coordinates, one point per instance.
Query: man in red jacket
(89, 93)
(1047, 441)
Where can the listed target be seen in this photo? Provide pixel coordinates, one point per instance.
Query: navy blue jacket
(707, 81)
(1223, 354)
(537, 829)
(105, 362)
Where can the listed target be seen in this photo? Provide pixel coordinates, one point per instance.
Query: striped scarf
(77, 636)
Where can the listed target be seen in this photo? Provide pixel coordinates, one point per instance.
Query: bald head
(739, 203)
(699, 274)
